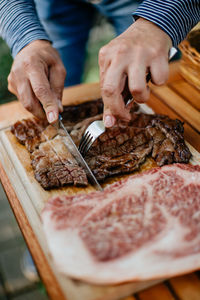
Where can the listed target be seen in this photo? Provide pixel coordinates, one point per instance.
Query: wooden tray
(16, 162)
(168, 99)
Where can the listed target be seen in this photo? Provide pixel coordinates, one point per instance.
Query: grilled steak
(144, 227)
(54, 166)
(123, 148)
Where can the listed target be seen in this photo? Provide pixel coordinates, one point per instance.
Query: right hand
(37, 79)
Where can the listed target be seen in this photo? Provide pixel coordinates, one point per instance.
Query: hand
(37, 79)
(142, 48)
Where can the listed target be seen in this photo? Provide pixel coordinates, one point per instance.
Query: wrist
(144, 25)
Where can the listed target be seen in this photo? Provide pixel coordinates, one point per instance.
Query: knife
(69, 143)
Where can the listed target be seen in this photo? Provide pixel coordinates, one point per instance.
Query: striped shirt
(20, 25)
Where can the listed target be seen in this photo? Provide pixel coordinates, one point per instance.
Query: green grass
(5, 65)
(99, 36)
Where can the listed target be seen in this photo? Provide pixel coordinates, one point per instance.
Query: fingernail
(52, 117)
(109, 121)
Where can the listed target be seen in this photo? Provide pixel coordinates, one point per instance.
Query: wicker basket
(190, 63)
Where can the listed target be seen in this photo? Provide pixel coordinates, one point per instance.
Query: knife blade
(69, 143)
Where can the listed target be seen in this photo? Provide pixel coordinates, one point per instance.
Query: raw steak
(146, 226)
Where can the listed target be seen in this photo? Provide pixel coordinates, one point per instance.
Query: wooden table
(177, 99)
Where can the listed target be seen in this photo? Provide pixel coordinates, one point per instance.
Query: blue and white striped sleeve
(19, 24)
(175, 17)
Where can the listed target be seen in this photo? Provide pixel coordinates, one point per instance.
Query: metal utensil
(96, 128)
(69, 143)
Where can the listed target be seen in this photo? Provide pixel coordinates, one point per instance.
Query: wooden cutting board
(26, 196)
(17, 164)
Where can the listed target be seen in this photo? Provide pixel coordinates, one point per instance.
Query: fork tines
(85, 143)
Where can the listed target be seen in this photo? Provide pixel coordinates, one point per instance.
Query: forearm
(175, 17)
(19, 24)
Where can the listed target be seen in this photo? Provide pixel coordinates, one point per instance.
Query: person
(35, 29)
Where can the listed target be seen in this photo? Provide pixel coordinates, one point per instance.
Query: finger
(41, 88)
(159, 70)
(137, 82)
(57, 76)
(112, 88)
(12, 85)
(104, 59)
(20, 86)
(28, 100)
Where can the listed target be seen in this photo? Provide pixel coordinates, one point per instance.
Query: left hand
(142, 48)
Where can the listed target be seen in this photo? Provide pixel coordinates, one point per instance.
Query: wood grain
(179, 105)
(158, 292)
(188, 92)
(44, 270)
(186, 287)
(12, 112)
(81, 93)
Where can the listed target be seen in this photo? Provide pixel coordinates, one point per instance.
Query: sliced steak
(120, 150)
(54, 166)
(144, 227)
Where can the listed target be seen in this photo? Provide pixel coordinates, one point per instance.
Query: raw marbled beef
(143, 227)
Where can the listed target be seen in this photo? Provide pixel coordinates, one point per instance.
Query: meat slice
(32, 132)
(54, 166)
(144, 227)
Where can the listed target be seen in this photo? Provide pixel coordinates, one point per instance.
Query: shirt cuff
(27, 39)
(176, 18)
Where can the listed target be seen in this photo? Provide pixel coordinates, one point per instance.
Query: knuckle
(61, 70)
(154, 52)
(160, 80)
(28, 63)
(13, 73)
(141, 97)
(10, 78)
(102, 54)
(122, 49)
(137, 90)
(41, 91)
(108, 90)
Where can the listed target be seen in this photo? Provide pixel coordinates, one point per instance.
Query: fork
(96, 128)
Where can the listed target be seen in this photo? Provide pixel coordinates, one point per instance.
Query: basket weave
(190, 64)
